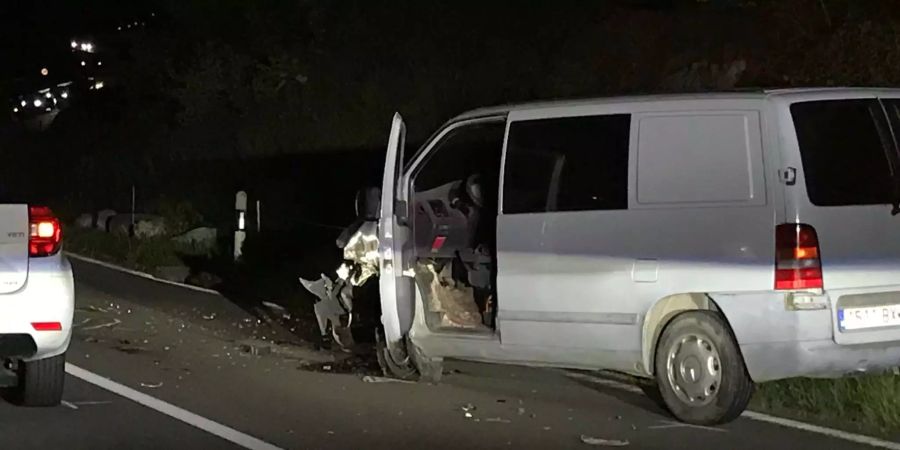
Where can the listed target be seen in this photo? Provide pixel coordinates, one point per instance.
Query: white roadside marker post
(240, 207)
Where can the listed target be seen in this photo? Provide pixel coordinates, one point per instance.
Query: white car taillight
(45, 236)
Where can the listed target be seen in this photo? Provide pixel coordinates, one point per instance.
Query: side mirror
(368, 203)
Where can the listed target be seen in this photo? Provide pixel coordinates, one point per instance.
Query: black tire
(651, 390)
(431, 370)
(416, 366)
(41, 381)
(390, 367)
(707, 332)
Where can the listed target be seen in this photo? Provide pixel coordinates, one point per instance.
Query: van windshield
(845, 146)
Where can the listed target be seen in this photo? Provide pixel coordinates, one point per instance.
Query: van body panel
(589, 277)
(574, 286)
(859, 245)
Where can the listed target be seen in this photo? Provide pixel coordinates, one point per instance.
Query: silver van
(705, 241)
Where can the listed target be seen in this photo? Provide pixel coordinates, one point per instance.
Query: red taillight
(797, 262)
(438, 244)
(46, 326)
(45, 235)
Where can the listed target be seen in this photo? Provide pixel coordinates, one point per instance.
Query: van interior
(454, 206)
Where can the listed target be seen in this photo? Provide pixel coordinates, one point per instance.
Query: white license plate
(869, 317)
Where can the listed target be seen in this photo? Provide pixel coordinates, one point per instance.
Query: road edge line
(761, 417)
(229, 434)
(139, 274)
(840, 434)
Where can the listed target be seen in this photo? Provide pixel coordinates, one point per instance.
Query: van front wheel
(700, 370)
(415, 365)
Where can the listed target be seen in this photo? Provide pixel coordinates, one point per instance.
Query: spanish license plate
(869, 317)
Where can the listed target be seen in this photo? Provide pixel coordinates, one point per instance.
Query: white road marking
(69, 405)
(139, 274)
(215, 428)
(760, 417)
(852, 437)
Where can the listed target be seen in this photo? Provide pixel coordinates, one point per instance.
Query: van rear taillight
(45, 235)
(797, 262)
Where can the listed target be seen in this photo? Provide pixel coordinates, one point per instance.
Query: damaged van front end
(334, 296)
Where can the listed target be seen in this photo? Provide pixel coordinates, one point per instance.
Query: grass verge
(868, 404)
(139, 254)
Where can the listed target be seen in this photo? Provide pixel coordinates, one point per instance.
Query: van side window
(464, 151)
(843, 145)
(567, 164)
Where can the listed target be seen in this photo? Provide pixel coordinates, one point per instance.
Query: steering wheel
(474, 190)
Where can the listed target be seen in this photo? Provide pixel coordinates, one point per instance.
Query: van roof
(747, 94)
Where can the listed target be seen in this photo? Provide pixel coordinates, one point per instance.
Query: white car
(703, 241)
(37, 301)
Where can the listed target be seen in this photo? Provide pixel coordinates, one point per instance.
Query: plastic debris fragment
(604, 442)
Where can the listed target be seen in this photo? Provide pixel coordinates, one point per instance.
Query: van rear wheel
(700, 371)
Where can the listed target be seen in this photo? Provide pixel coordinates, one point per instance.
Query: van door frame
(420, 329)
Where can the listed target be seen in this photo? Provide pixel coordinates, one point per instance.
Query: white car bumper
(48, 296)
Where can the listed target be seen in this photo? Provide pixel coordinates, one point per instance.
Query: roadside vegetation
(865, 403)
(139, 254)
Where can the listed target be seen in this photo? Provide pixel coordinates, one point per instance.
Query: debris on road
(209, 316)
(69, 405)
(91, 402)
(130, 349)
(274, 306)
(604, 442)
(103, 325)
(374, 379)
(497, 420)
(152, 385)
(258, 350)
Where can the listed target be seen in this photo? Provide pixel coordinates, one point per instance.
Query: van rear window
(843, 146)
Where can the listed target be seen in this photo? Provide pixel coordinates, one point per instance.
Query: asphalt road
(166, 344)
